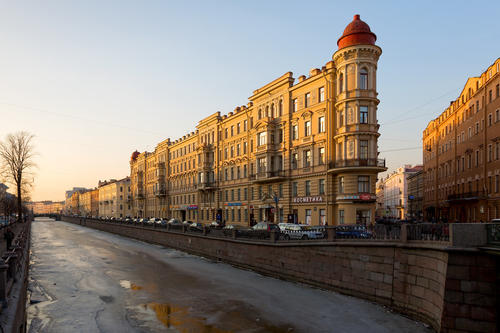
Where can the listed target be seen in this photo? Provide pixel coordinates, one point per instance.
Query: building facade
(416, 196)
(45, 207)
(462, 154)
(299, 151)
(114, 198)
(395, 192)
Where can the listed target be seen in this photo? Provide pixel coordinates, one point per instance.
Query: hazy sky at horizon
(96, 80)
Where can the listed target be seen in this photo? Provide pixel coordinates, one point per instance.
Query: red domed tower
(355, 121)
(356, 33)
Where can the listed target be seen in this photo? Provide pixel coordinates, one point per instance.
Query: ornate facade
(302, 151)
(462, 154)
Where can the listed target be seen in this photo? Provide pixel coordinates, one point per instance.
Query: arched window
(363, 79)
(280, 108)
(260, 113)
(272, 111)
(267, 112)
(341, 83)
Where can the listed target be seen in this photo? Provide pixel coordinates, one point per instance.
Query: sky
(96, 80)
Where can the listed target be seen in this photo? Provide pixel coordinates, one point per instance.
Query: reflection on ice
(128, 285)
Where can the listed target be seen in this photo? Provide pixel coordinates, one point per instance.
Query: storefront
(310, 210)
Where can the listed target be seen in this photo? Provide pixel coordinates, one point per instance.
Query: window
(498, 90)
(307, 100)
(245, 123)
(363, 114)
(238, 150)
(245, 171)
(280, 108)
(308, 216)
(261, 164)
(232, 151)
(295, 132)
(295, 105)
(322, 217)
(321, 94)
(321, 186)
(363, 149)
(321, 124)
(362, 216)
(261, 138)
(244, 147)
(232, 194)
(363, 79)
(341, 184)
(294, 189)
(490, 95)
(238, 128)
(307, 187)
(321, 155)
(280, 136)
(341, 216)
(295, 158)
(363, 184)
(232, 130)
(245, 194)
(307, 158)
(280, 190)
(307, 128)
(341, 83)
(225, 133)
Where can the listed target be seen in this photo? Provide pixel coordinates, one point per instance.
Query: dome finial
(356, 33)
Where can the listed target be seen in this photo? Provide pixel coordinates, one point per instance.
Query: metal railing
(14, 261)
(467, 195)
(423, 233)
(493, 234)
(357, 162)
(428, 232)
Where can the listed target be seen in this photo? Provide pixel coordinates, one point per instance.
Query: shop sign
(192, 207)
(364, 196)
(234, 204)
(307, 199)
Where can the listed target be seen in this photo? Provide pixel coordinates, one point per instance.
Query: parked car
(266, 226)
(196, 226)
(174, 222)
(240, 230)
(298, 231)
(143, 220)
(154, 220)
(283, 226)
(352, 231)
(128, 220)
(216, 225)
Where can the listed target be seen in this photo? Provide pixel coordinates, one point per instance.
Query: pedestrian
(9, 236)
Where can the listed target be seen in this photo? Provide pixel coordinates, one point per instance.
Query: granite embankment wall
(451, 289)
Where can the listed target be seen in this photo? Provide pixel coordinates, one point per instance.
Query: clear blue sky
(95, 80)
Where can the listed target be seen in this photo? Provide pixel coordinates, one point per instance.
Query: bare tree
(16, 160)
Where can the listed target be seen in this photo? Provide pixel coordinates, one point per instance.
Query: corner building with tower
(300, 151)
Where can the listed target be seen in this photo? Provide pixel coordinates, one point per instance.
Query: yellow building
(462, 154)
(114, 198)
(301, 151)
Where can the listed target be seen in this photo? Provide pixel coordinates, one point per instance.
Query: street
(83, 280)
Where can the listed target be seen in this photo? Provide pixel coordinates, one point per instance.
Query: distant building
(114, 198)
(380, 201)
(395, 192)
(416, 195)
(462, 154)
(68, 203)
(45, 207)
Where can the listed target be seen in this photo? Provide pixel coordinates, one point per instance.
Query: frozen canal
(83, 280)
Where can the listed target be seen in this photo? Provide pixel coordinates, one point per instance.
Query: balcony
(160, 192)
(357, 162)
(140, 195)
(205, 186)
(267, 176)
(467, 196)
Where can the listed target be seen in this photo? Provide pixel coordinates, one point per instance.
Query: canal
(84, 280)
